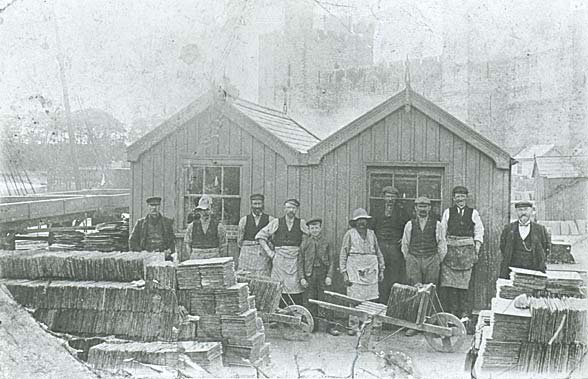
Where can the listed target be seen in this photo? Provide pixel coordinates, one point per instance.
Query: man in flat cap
(389, 227)
(465, 235)
(154, 232)
(423, 246)
(286, 233)
(206, 236)
(252, 257)
(524, 243)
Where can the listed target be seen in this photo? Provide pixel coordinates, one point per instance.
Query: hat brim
(361, 217)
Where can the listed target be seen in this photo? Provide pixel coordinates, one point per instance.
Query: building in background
(229, 148)
(561, 187)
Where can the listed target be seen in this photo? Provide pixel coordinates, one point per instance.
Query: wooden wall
(337, 185)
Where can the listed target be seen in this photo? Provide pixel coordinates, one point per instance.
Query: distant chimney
(285, 106)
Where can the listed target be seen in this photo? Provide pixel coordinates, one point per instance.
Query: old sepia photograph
(294, 189)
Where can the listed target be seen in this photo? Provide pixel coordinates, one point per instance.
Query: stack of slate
(558, 320)
(508, 322)
(207, 288)
(564, 283)
(207, 273)
(528, 279)
(66, 240)
(498, 354)
(93, 293)
(76, 265)
(550, 284)
(99, 308)
(560, 252)
(548, 337)
(267, 292)
(111, 236)
(115, 355)
(404, 302)
(554, 358)
(160, 275)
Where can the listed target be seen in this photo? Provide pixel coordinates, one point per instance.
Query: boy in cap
(206, 236)
(423, 247)
(524, 243)
(317, 266)
(465, 235)
(286, 233)
(154, 232)
(361, 263)
(252, 257)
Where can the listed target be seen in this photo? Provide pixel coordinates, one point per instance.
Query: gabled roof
(408, 97)
(561, 167)
(532, 151)
(276, 129)
(279, 124)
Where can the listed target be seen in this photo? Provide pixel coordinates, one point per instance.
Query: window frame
(241, 162)
(390, 167)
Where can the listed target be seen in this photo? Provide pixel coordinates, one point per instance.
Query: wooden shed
(561, 188)
(230, 148)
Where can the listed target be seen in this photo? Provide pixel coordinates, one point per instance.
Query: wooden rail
(33, 209)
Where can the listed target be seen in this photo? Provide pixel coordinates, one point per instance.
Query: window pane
(377, 182)
(195, 179)
(212, 184)
(231, 181)
(430, 186)
(436, 210)
(406, 185)
(217, 207)
(232, 211)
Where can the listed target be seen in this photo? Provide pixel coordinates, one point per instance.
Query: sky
(143, 60)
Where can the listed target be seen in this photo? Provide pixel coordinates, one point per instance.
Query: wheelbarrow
(443, 331)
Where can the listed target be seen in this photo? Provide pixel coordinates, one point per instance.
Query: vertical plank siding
(336, 186)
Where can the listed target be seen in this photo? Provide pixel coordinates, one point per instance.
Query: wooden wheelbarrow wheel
(446, 344)
(306, 320)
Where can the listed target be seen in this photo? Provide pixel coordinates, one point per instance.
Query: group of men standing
(394, 247)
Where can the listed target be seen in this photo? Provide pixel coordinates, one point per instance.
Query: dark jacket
(540, 242)
(310, 251)
(138, 237)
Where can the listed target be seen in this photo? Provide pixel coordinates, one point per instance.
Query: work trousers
(422, 269)
(316, 290)
(455, 301)
(395, 271)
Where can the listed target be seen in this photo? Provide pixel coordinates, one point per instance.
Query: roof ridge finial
(407, 89)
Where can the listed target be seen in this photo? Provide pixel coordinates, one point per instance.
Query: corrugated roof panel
(279, 124)
(562, 167)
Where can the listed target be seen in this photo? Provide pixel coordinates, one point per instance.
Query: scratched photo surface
(293, 188)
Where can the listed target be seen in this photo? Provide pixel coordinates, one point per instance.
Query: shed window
(221, 183)
(410, 182)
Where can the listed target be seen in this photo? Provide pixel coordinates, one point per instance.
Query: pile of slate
(549, 336)
(208, 288)
(111, 236)
(114, 355)
(538, 284)
(207, 273)
(66, 240)
(98, 308)
(160, 275)
(508, 322)
(76, 265)
(91, 293)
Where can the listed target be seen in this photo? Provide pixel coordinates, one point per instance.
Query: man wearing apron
(253, 258)
(154, 232)
(361, 262)
(286, 234)
(206, 236)
(465, 235)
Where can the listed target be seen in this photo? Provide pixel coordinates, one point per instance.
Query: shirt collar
(525, 225)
